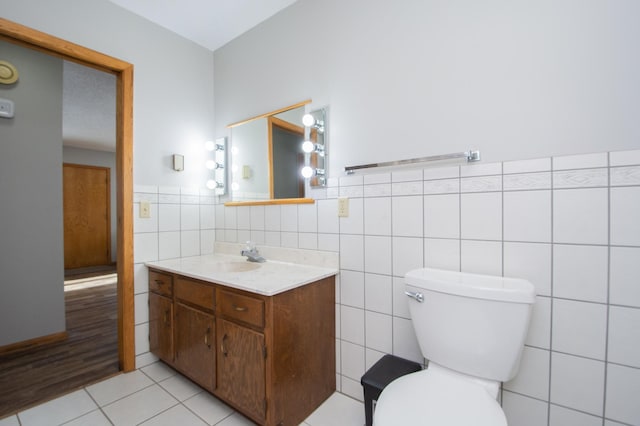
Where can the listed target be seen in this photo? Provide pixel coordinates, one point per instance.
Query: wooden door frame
(123, 71)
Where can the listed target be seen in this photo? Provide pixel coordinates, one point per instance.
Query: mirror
(268, 159)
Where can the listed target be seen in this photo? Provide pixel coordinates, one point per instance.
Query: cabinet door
(241, 368)
(195, 345)
(160, 326)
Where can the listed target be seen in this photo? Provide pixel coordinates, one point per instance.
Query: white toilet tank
(474, 324)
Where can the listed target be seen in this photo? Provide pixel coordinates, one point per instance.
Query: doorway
(123, 71)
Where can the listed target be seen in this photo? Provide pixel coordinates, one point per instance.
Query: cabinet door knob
(206, 337)
(159, 282)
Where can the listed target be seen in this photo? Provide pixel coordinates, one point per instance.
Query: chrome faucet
(252, 253)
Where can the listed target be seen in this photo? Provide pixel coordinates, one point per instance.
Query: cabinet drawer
(161, 283)
(195, 292)
(243, 308)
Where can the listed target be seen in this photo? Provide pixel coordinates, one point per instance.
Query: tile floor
(156, 395)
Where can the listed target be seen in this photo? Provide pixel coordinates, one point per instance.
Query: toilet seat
(433, 398)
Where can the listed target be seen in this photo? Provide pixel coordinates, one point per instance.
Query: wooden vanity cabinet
(273, 358)
(161, 315)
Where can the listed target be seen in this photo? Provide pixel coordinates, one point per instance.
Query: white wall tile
(288, 239)
(207, 241)
(624, 336)
(407, 255)
(207, 216)
(577, 383)
(351, 180)
(406, 176)
(560, 416)
(243, 216)
(141, 308)
(625, 211)
(441, 186)
(329, 242)
(351, 191)
(527, 216)
(481, 169)
(622, 176)
(527, 181)
(272, 218)
(539, 334)
(406, 188)
(377, 216)
(377, 254)
(581, 161)
(354, 224)
(580, 272)
(352, 288)
(244, 235)
(352, 324)
(146, 247)
(168, 245)
(328, 216)
(624, 276)
(379, 190)
(308, 240)
(481, 184)
(168, 217)
(377, 178)
(289, 218)
(307, 218)
(580, 216)
(407, 216)
(379, 331)
(442, 254)
(624, 158)
(441, 172)
(371, 357)
(583, 178)
(481, 257)
(140, 278)
(189, 217)
(231, 236)
(189, 243)
(231, 218)
(258, 237)
(533, 376)
(442, 216)
(481, 216)
(149, 224)
(352, 252)
(272, 238)
(220, 213)
(405, 344)
(623, 388)
(523, 411)
(257, 218)
(527, 166)
(141, 332)
(352, 357)
(531, 262)
(579, 328)
(378, 293)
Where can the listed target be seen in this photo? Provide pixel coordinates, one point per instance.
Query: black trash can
(383, 372)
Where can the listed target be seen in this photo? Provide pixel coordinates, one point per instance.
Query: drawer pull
(240, 308)
(159, 282)
(222, 348)
(206, 337)
(166, 317)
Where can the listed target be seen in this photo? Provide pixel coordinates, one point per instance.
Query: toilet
(471, 328)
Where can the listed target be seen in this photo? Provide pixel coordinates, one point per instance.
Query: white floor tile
(180, 387)
(118, 387)
(59, 410)
(94, 418)
(159, 371)
(338, 410)
(209, 408)
(178, 415)
(10, 421)
(236, 419)
(140, 406)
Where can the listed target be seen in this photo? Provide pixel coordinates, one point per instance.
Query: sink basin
(235, 266)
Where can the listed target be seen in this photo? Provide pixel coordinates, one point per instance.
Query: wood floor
(90, 354)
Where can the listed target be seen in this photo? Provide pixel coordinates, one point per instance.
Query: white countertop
(269, 278)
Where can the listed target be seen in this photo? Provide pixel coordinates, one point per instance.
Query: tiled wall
(181, 224)
(568, 224)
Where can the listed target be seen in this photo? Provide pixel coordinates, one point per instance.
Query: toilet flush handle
(415, 295)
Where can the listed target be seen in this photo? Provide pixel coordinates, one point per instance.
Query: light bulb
(307, 146)
(235, 186)
(308, 120)
(210, 145)
(307, 172)
(212, 184)
(210, 164)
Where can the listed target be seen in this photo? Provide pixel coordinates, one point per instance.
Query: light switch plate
(7, 108)
(145, 209)
(343, 207)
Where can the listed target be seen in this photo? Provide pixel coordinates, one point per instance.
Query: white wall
(406, 79)
(173, 79)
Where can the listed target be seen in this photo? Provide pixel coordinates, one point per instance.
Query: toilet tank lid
(477, 286)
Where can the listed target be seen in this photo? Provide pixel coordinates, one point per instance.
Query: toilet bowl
(472, 329)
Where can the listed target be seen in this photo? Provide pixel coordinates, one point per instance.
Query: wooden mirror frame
(123, 71)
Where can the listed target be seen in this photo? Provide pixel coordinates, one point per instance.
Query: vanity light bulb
(308, 120)
(211, 184)
(307, 146)
(210, 145)
(210, 164)
(235, 186)
(307, 172)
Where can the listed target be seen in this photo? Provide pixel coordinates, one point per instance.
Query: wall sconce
(309, 147)
(218, 174)
(308, 172)
(314, 147)
(310, 121)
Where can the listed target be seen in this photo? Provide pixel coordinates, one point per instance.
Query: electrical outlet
(145, 209)
(343, 207)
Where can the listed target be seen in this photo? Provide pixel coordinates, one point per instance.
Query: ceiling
(210, 23)
(89, 95)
